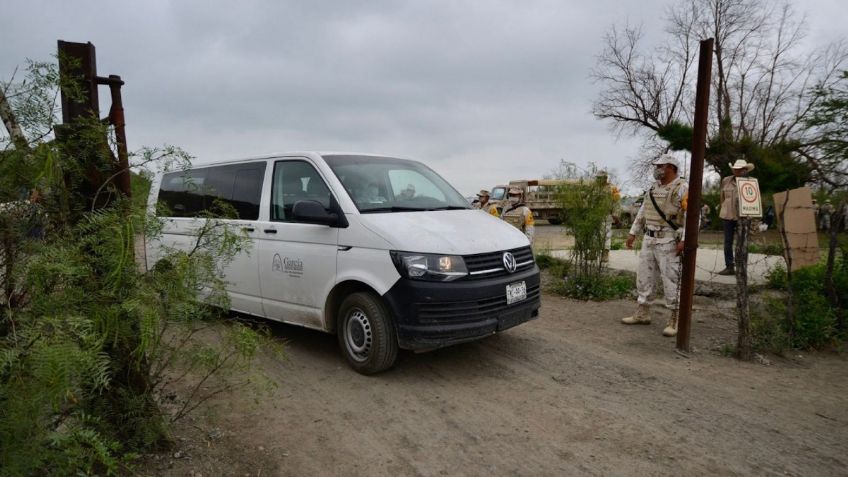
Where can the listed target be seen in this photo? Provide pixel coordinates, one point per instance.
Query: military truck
(539, 195)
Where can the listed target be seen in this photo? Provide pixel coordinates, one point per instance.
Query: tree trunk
(744, 348)
(787, 255)
(11, 123)
(830, 288)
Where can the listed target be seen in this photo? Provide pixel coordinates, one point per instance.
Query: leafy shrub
(815, 317)
(589, 203)
(776, 277)
(766, 249)
(598, 287)
(88, 340)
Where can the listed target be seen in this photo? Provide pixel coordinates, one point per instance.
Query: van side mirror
(312, 212)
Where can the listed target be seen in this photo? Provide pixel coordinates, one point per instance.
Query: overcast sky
(482, 91)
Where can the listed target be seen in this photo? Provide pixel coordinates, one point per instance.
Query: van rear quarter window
(189, 193)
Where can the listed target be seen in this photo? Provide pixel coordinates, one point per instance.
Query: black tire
(366, 333)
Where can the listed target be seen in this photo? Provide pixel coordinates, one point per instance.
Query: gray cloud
(482, 91)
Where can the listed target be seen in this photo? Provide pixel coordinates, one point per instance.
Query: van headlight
(425, 266)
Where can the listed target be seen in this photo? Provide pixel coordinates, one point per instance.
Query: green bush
(815, 317)
(766, 249)
(89, 342)
(776, 278)
(596, 287)
(545, 260)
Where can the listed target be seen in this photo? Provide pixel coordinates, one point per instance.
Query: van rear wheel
(366, 334)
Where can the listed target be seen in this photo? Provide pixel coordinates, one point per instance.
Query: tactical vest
(666, 198)
(515, 217)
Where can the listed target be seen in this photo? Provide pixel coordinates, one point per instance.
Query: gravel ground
(571, 393)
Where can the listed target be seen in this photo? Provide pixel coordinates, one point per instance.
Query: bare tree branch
(12, 125)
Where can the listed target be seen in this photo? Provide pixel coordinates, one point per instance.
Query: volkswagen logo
(509, 262)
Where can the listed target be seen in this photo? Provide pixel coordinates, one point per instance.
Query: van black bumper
(432, 315)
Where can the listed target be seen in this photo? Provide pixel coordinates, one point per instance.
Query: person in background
(615, 195)
(483, 203)
(517, 214)
(825, 215)
(705, 216)
(768, 219)
(662, 219)
(729, 211)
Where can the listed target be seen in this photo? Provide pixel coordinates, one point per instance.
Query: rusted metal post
(116, 117)
(78, 65)
(696, 177)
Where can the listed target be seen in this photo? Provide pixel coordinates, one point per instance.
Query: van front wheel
(366, 335)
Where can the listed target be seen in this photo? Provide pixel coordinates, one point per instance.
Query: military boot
(642, 316)
(671, 326)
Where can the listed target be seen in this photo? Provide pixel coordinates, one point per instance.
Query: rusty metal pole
(696, 177)
(116, 117)
(78, 65)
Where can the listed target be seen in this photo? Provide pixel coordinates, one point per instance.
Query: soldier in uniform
(483, 203)
(518, 214)
(661, 217)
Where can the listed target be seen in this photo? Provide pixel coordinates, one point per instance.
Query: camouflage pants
(658, 256)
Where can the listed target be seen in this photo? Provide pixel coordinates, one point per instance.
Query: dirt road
(572, 393)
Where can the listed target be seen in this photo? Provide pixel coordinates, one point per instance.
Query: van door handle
(248, 229)
(270, 231)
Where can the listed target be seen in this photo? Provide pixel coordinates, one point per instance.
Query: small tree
(829, 122)
(88, 340)
(587, 206)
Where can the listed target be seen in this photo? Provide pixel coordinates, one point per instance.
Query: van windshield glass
(384, 184)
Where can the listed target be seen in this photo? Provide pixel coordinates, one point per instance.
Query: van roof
(291, 153)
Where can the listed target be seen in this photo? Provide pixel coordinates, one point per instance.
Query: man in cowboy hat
(661, 217)
(483, 203)
(729, 211)
(516, 213)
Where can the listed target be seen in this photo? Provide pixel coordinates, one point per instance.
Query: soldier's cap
(741, 164)
(483, 193)
(515, 191)
(667, 159)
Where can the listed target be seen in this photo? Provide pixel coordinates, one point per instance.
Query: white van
(379, 250)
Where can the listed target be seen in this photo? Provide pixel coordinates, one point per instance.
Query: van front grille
(489, 265)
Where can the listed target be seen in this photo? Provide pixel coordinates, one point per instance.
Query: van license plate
(516, 292)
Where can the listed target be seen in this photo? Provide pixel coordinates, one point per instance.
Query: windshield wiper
(450, 207)
(394, 208)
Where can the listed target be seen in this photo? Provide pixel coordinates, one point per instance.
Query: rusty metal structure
(696, 174)
(78, 66)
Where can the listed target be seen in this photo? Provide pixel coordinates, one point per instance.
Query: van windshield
(385, 184)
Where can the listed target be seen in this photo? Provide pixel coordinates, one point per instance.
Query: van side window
(294, 181)
(189, 193)
(181, 193)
